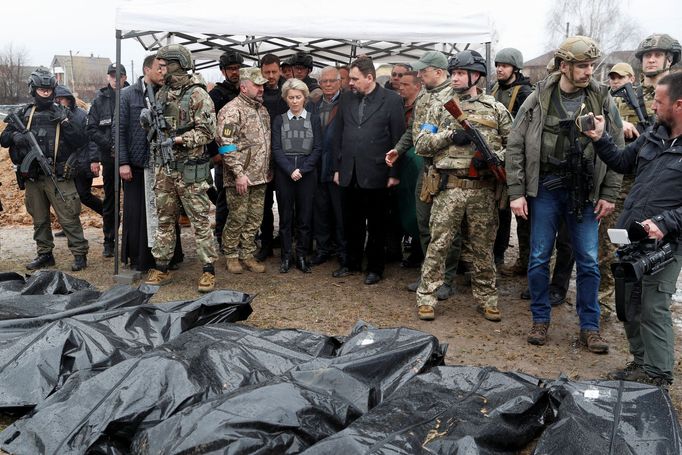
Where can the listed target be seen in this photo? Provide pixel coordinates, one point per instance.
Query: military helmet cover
(510, 56)
(302, 59)
(577, 49)
(468, 60)
(178, 53)
(660, 42)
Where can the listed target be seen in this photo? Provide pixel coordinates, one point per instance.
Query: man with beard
(511, 89)
(223, 92)
(244, 142)
(544, 137)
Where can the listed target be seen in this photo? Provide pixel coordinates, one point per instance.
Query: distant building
(83, 75)
(536, 69)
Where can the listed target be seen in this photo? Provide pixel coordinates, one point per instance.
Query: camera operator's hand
(653, 230)
(603, 209)
(598, 130)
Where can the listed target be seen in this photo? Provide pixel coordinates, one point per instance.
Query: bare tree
(605, 21)
(13, 74)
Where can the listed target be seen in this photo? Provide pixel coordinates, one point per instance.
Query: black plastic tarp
(212, 363)
(35, 362)
(610, 418)
(449, 410)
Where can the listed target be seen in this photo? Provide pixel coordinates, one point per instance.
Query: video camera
(637, 256)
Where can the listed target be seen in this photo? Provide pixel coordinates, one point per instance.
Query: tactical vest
(645, 96)
(297, 136)
(555, 140)
(177, 113)
(48, 135)
(483, 116)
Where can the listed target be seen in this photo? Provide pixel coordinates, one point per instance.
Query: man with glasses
(327, 221)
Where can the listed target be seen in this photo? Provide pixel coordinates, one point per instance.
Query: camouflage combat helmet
(178, 53)
(660, 42)
(577, 49)
(231, 58)
(510, 56)
(41, 78)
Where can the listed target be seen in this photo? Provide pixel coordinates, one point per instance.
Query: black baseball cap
(112, 69)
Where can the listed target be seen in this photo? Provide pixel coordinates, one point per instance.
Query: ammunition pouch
(195, 171)
(70, 168)
(430, 184)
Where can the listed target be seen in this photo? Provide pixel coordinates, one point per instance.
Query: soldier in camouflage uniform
(244, 141)
(440, 137)
(183, 182)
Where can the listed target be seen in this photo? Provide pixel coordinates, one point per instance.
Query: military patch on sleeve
(229, 129)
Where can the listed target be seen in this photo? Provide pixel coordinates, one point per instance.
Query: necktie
(361, 108)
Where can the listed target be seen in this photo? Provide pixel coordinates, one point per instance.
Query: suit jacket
(362, 146)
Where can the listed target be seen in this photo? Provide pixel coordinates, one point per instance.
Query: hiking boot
(79, 263)
(593, 341)
(444, 292)
(538, 333)
(206, 282)
(412, 287)
(556, 298)
(41, 261)
(253, 265)
(631, 370)
(157, 277)
(234, 266)
(515, 269)
(426, 313)
(108, 250)
(491, 314)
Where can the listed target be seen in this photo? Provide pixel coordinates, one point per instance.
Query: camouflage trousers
(243, 222)
(171, 194)
(448, 210)
(40, 196)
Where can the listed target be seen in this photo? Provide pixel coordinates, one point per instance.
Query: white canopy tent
(394, 31)
(389, 32)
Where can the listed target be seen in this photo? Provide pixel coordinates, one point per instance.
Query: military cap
(622, 69)
(431, 58)
(252, 74)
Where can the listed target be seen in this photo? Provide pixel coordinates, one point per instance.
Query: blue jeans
(548, 207)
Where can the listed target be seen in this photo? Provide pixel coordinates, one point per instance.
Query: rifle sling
(56, 143)
(483, 122)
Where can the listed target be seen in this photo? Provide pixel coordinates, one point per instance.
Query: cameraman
(656, 201)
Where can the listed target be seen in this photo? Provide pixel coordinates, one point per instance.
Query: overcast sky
(85, 27)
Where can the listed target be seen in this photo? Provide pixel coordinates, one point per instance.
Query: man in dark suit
(370, 121)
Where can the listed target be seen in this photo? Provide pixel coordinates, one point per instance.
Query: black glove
(479, 163)
(20, 140)
(59, 114)
(460, 137)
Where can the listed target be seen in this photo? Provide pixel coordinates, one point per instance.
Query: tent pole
(117, 139)
(488, 80)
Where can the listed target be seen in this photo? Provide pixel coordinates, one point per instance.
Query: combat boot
(108, 250)
(253, 265)
(426, 313)
(79, 263)
(41, 261)
(207, 280)
(491, 314)
(234, 266)
(593, 341)
(631, 371)
(158, 277)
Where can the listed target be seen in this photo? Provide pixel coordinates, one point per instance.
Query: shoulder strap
(514, 94)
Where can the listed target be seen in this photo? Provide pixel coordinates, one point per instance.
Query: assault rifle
(628, 94)
(34, 154)
(160, 141)
(483, 152)
(577, 172)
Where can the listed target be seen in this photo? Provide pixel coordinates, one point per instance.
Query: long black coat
(363, 145)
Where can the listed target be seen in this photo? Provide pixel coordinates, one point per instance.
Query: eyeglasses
(328, 81)
(399, 75)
